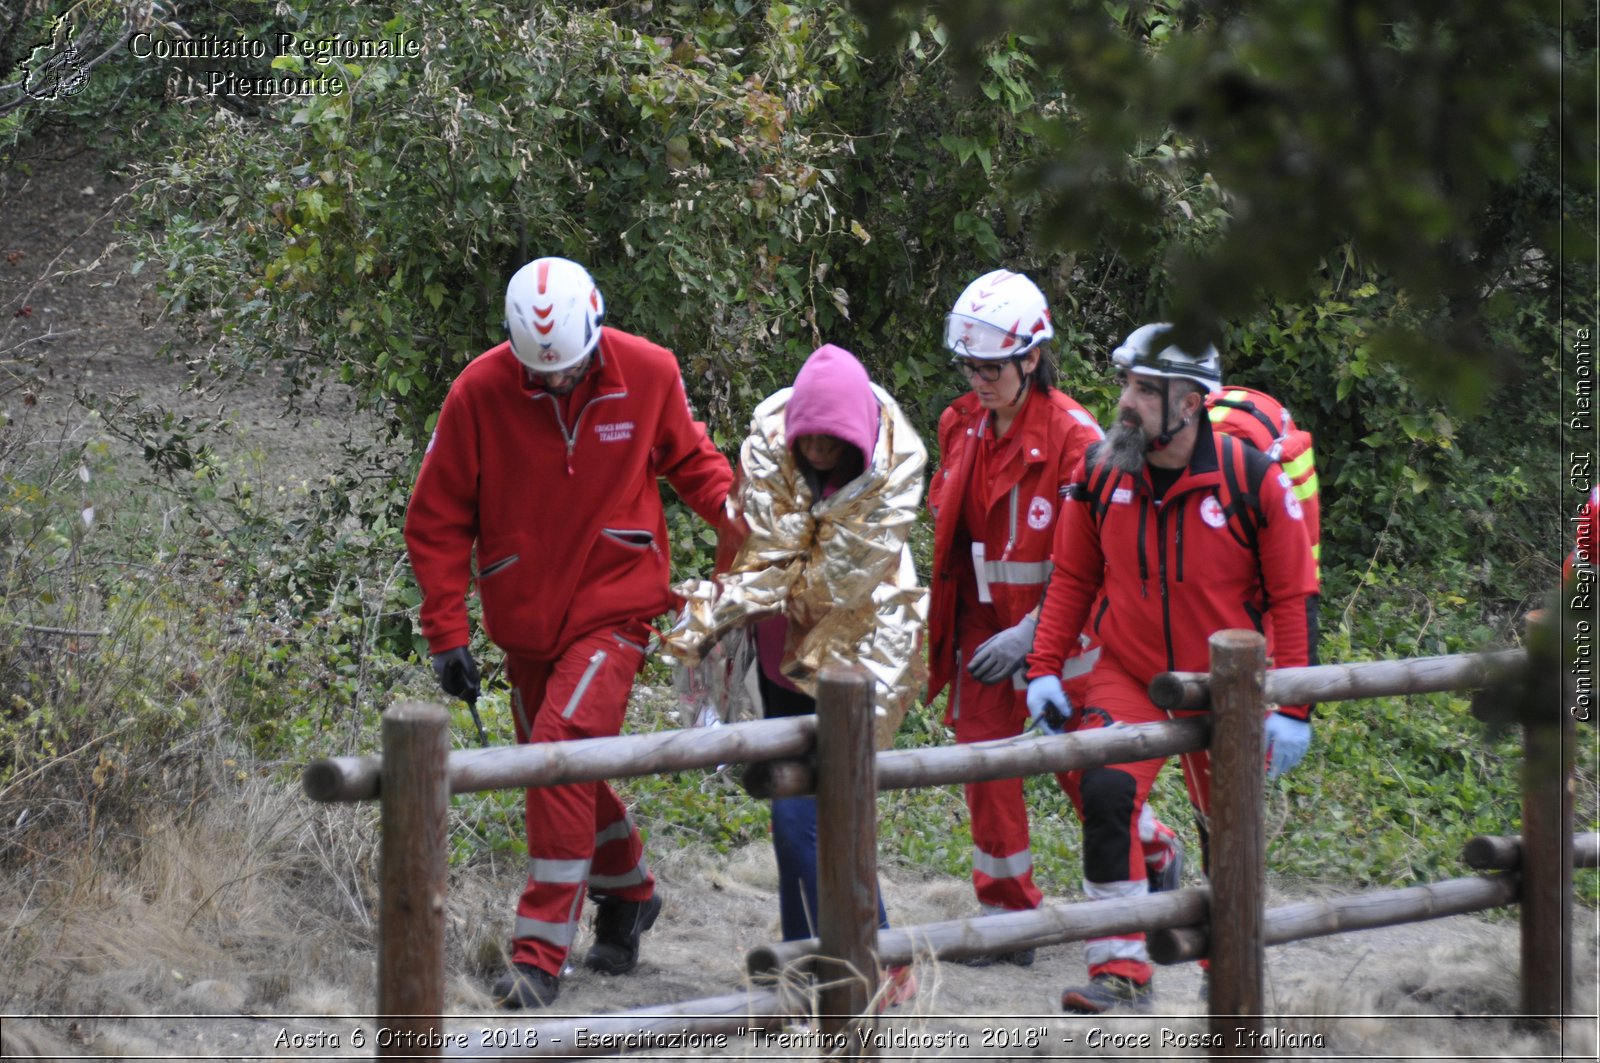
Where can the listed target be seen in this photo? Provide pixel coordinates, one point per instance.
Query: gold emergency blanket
(841, 568)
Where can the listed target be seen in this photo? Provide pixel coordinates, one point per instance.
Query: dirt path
(151, 966)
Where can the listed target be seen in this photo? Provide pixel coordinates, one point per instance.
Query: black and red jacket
(1223, 548)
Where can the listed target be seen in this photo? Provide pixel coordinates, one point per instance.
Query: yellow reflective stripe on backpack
(1219, 413)
(1298, 467)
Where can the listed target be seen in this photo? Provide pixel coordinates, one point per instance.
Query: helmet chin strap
(1022, 382)
(1161, 441)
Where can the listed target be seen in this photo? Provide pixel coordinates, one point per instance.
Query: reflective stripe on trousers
(579, 834)
(1002, 862)
(1020, 863)
(1128, 947)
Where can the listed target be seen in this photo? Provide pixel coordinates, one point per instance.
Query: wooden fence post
(1238, 844)
(847, 856)
(414, 804)
(1548, 737)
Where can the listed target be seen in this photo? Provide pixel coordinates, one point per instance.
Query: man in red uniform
(1173, 533)
(1006, 451)
(545, 460)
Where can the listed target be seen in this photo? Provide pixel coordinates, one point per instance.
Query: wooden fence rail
(960, 939)
(831, 755)
(1499, 852)
(1344, 682)
(1361, 911)
(1002, 758)
(770, 745)
(581, 760)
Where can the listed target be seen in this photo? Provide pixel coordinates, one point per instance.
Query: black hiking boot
(618, 925)
(526, 986)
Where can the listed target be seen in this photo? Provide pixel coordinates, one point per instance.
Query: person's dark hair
(1045, 374)
(1178, 390)
(851, 464)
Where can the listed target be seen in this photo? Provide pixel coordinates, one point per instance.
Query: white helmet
(553, 314)
(1148, 351)
(1000, 315)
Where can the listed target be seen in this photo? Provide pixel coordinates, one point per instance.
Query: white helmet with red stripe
(1000, 315)
(553, 314)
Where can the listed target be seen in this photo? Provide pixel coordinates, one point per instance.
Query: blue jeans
(794, 841)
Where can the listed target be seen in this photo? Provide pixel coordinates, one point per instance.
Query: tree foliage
(747, 180)
(1434, 137)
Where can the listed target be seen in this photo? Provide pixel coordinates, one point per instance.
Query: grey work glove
(457, 673)
(1003, 653)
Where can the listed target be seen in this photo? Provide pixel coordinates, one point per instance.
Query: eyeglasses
(988, 372)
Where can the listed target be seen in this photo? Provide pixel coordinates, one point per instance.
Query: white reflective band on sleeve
(1021, 573)
(980, 570)
(582, 688)
(1012, 866)
(1147, 824)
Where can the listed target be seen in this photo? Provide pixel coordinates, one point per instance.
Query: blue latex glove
(1287, 740)
(1002, 654)
(1048, 704)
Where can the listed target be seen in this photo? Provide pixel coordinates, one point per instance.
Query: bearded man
(1171, 533)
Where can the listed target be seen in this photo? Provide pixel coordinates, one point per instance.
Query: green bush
(747, 180)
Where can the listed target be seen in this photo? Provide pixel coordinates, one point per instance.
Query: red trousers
(1111, 803)
(1002, 857)
(579, 834)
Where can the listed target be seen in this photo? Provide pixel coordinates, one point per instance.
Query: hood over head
(833, 396)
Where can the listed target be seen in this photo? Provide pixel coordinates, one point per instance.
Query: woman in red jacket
(1006, 450)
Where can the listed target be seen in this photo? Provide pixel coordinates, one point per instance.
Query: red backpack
(1265, 423)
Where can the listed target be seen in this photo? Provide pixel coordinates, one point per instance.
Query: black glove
(457, 673)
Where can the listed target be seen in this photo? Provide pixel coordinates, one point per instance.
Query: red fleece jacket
(1173, 574)
(558, 497)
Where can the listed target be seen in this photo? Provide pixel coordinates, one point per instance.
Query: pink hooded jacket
(832, 396)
